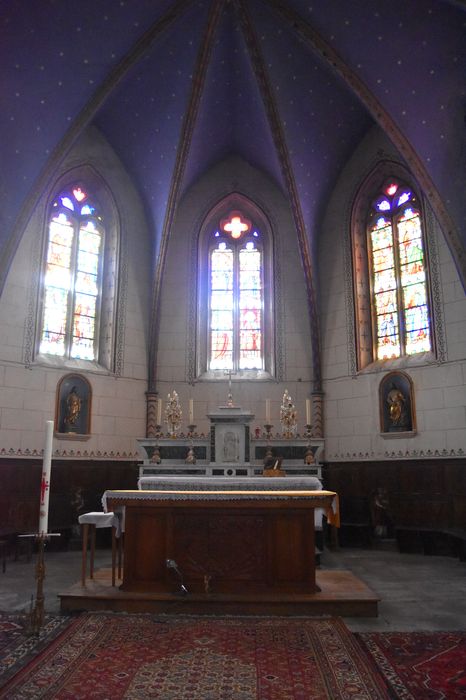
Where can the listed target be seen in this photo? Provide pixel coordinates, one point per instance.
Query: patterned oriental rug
(115, 656)
(18, 646)
(420, 665)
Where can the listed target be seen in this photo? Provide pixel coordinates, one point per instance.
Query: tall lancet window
(236, 303)
(72, 277)
(397, 265)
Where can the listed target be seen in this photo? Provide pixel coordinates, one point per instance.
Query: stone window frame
(253, 212)
(364, 344)
(109, 357)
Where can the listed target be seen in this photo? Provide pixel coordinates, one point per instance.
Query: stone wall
(28, 385)
(352, 424)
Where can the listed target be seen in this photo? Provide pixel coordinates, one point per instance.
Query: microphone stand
(171, 564)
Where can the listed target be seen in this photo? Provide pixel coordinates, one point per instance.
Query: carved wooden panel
(242, 547)
(224, 547)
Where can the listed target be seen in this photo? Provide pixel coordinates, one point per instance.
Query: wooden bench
(432, 540)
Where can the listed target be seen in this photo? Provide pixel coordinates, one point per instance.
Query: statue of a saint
(396, 407)
(380, 512)
(73, 409)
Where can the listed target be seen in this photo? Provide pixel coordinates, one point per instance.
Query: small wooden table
(238, 541)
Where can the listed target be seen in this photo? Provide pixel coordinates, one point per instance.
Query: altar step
(341, 594)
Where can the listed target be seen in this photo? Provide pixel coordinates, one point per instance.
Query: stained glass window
(236, 296)
(398, 274)
(72, 279)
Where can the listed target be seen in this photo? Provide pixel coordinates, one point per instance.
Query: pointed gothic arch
(370, 294)
(236, 316)
(102, 215)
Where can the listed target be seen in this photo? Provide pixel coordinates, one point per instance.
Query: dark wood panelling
(424, 495)
(75, 487)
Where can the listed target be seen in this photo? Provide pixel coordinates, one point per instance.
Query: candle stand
(155, 458)
(36, 619)
(191, 457)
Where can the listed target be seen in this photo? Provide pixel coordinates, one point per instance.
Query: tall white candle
(308, 411)
(191, 412)
(267, 411)
(45, 480)
(159, 411)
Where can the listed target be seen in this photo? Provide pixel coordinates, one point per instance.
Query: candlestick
(308, 411)
(267, 410)
(45, 481)
(159, 411)
(191, 411)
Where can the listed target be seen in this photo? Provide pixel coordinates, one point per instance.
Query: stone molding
(395, 455)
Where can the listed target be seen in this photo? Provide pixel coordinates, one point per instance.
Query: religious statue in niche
(396, 397)
(73, 409)
(73, 406)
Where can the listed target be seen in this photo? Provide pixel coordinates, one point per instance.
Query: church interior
(233, 241)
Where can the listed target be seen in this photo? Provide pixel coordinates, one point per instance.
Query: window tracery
(396, 252)
(72, 286)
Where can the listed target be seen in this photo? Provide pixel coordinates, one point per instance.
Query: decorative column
(317, 398)
(152, 403)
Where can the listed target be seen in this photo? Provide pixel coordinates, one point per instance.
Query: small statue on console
(309, 456)
(191, 457)
(155, 458)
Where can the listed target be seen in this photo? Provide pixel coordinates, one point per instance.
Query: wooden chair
(89, 523)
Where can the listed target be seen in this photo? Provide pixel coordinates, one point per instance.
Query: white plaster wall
(27, 395)
(352, 428)
(233, 175)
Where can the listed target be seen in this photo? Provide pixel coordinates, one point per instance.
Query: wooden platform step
(341, 594)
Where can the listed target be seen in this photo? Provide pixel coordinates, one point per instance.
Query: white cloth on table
(224, 483)
(99, 519)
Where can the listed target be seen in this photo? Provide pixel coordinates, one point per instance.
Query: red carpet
(421, 665)
(18, 646)
(104, 656)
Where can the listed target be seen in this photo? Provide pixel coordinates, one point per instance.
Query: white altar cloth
(246, 483)
(230, 483)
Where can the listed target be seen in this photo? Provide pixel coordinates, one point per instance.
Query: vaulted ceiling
(291, 86)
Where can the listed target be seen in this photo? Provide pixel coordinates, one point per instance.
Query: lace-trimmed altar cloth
(227, 483)
(332, 513)
(235, 483)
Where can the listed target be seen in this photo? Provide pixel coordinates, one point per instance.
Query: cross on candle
(44, 487)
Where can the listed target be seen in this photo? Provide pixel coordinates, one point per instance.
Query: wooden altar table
(223, 542)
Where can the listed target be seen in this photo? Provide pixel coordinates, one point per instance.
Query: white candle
(308, 411)
(45, 480)
(191, 412)
(267, 411)
(159, 411)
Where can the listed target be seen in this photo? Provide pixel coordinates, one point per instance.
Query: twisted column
(151, 420)
(317, 398)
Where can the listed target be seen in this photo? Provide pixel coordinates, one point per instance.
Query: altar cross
(230, 394)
